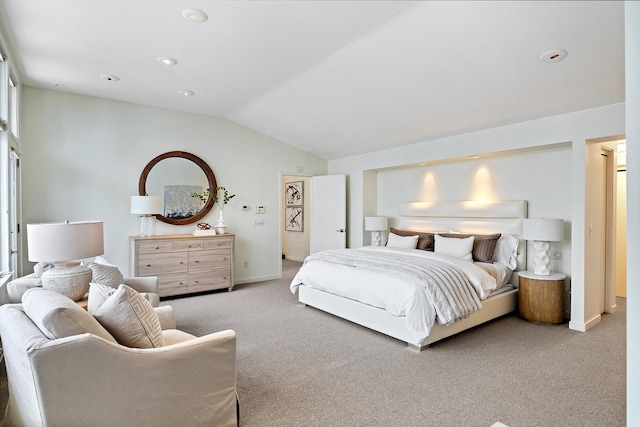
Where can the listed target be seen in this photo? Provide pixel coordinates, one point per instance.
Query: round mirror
(177, 177)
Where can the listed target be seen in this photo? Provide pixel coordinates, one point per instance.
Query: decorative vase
(220, 226)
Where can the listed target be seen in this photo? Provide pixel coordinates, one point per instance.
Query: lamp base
(68, 278)
(147, 225)
(542, 258)
(376, 238)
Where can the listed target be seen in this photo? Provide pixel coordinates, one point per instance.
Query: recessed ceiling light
(57, 84)
(166, 60)
(553, 56)
(186, 92)
(195, 15)
(109, 77)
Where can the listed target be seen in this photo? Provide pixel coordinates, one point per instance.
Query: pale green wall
(82, 158)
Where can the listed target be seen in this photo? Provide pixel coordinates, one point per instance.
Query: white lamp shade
(146, 205)
(543, 229)
(64, 241)
(376, 223)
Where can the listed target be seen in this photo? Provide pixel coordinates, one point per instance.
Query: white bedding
(397, 294)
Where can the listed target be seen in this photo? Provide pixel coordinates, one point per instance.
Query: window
(10, 217)
(13, 105)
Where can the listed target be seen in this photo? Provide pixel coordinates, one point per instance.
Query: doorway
(295, 229)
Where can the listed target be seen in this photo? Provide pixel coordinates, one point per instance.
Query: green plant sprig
(217, 198)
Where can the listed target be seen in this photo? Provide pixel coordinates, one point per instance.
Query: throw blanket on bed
(447, 287)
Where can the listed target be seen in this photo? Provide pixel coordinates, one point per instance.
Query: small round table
(541, 298)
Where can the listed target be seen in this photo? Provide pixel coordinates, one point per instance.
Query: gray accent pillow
(104, 272)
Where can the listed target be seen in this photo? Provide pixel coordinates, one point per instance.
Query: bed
(399, 290)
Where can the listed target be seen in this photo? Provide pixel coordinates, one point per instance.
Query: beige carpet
(298, 366)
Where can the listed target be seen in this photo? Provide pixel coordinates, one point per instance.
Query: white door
(328, 212)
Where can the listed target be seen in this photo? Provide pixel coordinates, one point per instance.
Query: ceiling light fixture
(553, 56)
(57, 84)
(186, 92)
(109, 77)
(166, 60)
(194, 15)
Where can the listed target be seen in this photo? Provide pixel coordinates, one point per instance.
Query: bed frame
(464, 216)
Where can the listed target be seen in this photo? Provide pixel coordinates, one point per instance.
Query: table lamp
(542, 231)
(147, 207)
(376, 224)
(65, 244)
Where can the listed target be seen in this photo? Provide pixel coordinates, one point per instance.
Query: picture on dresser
(293, 218)
(179, 203)
(293, 195)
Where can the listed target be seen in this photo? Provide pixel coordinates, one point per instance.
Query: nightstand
(541, 298)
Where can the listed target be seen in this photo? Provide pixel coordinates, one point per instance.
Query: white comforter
(400, 295)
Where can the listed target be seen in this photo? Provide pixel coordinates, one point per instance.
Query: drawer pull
(196, 261)
(157, 247)
(148, 265)
(181, 262)
(226, 259)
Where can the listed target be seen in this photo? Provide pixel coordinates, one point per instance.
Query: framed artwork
(293, 193)
(293, 218)
(179, 202)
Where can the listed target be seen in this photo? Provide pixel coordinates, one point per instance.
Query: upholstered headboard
(468, 217)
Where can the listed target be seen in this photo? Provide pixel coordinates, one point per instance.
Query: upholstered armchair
(65, 369)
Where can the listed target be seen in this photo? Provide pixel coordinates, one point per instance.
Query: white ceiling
(335, 78)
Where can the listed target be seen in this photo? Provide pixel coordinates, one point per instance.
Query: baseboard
(584, 327)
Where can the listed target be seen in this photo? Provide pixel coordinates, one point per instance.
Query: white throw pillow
(395, 241)
(58, 316)
(104, 272)
(460, 248)
(506, 251)
(98, 294)
(130, 318)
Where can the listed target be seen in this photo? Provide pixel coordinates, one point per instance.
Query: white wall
(632, 97)
(82, 158)
(575, 128)
(513, 176)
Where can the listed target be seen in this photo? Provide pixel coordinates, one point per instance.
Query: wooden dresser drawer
(157, 264)
(154, 247)
(211, 259)
(188, 245)
(222, 242)
(172, 284)
(205, 281)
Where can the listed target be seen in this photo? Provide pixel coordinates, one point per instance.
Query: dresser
(184, 264)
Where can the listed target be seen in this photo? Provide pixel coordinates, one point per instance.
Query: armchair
(87, 379)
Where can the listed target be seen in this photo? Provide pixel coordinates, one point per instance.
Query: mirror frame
(211, 178)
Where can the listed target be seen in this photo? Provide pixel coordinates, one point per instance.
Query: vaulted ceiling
(335, 78)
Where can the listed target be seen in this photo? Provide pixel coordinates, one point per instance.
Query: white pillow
(460, 248)
(130, 318)
(408, 242)
(98, 294)
(506, 251)
(104, 272)
(58, 316)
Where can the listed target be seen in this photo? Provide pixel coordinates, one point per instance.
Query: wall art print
(293, 218)
(293, 193)
(179, 202)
